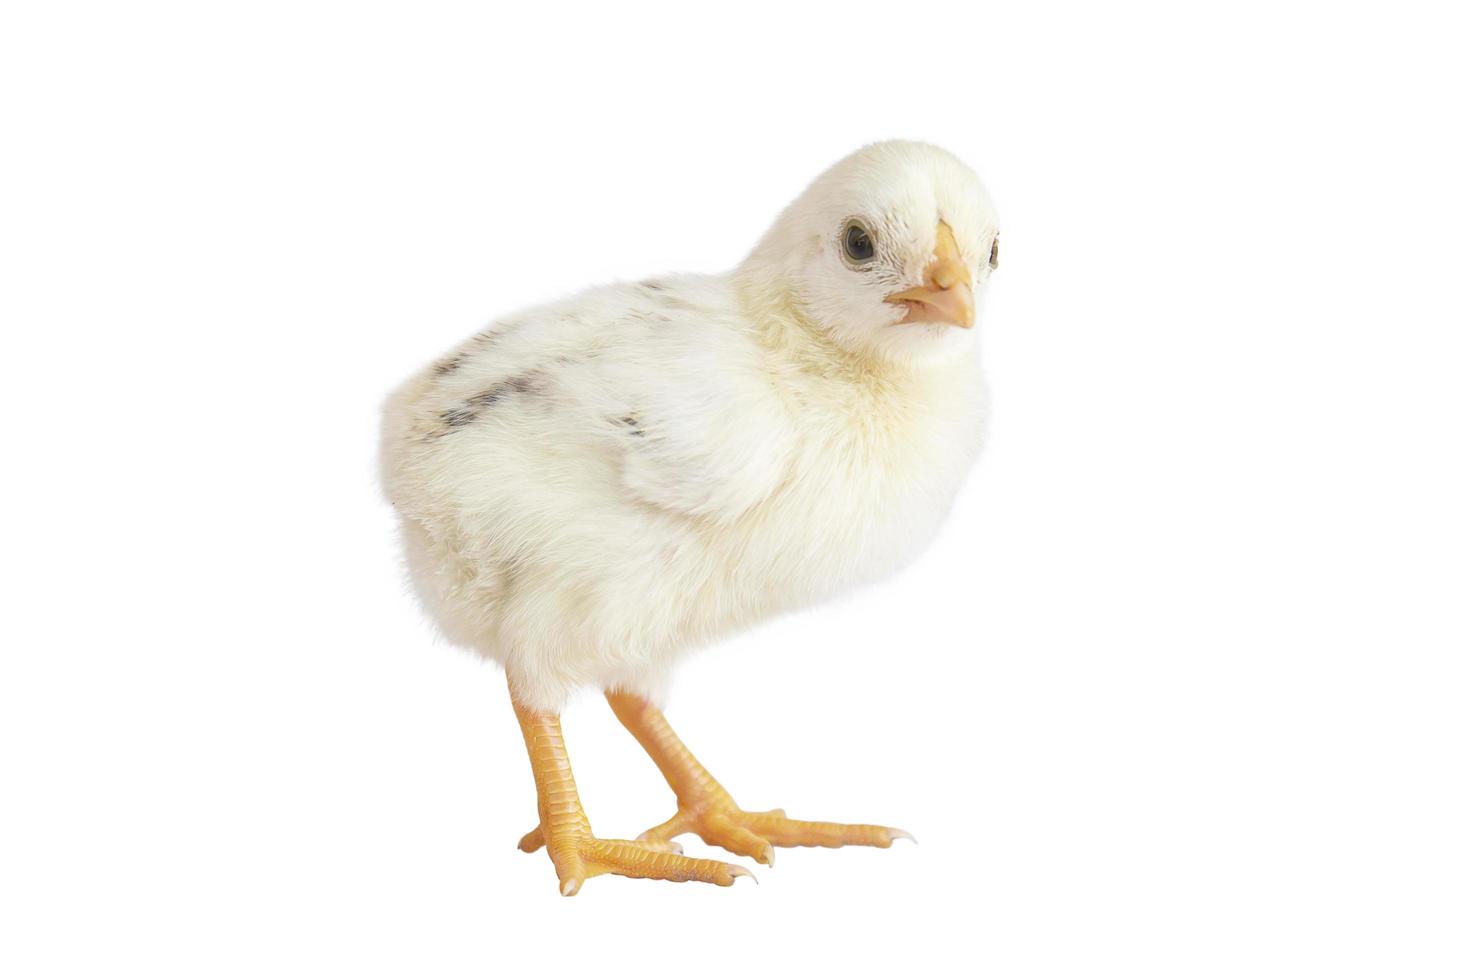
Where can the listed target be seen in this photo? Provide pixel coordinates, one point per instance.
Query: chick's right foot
(579, 858)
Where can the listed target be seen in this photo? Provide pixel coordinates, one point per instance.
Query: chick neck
(792, 337)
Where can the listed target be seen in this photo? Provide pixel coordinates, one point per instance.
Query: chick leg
(575, 853)
(707, 809)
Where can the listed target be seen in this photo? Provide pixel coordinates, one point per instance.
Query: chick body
(591, 488)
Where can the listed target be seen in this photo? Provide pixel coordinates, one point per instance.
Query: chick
(591, 489)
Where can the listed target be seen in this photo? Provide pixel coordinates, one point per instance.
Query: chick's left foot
(707, 809)
(721, 823)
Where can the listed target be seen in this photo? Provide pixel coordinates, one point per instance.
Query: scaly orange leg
(707, 809)
(576, 854)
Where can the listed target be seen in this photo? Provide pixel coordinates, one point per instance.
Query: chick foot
(567, 835)
(707, 809)
(718, 821)
(533, 840)
(583, 857)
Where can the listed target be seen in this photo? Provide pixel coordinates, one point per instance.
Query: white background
(1181, 691)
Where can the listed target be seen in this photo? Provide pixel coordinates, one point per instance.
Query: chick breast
(590, 488)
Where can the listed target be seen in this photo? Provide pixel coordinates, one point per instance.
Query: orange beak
(946, 296)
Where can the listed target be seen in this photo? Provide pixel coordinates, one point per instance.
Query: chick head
(888, 252)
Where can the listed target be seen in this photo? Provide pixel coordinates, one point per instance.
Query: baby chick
(593, 488)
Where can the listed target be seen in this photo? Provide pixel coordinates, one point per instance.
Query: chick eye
(857, 243)
(995, 252)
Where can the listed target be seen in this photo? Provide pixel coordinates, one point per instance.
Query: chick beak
(946, 296)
